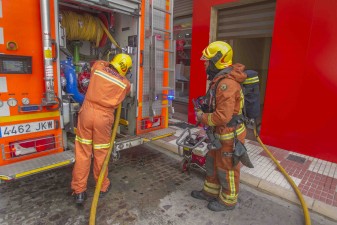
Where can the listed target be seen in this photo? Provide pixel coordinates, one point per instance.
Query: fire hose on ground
(289, 179)
(92, 219)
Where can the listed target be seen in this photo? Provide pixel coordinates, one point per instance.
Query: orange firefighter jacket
(107, 87)
(229, 99)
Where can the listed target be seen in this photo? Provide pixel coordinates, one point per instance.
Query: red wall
(300, 111)
(301, 98)
(200, 34)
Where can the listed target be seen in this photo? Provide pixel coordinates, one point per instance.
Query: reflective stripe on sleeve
(209, 120)
(110, 78)
(251, 80)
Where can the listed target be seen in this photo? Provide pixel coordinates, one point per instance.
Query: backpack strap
(222, 72)
(244, 112)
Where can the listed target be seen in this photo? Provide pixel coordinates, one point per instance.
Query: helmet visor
(204, 58)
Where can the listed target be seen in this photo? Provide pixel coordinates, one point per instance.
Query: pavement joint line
(268, 187)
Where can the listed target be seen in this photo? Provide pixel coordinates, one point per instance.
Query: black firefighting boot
(202, 195)
(218, 206)
(80, 198)
(103, 193)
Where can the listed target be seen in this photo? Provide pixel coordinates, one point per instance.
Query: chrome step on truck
(37, 165)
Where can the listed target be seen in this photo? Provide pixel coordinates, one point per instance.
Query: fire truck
(47, 48)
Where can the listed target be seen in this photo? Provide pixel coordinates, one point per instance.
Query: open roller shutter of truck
(246, 21)
(122, 6)
(182, 8)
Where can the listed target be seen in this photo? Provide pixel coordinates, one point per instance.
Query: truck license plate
(25, 128)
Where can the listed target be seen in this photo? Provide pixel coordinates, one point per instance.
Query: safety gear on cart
(122, 63)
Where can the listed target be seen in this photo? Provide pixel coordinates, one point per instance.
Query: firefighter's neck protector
(122, 63)
(211, 71)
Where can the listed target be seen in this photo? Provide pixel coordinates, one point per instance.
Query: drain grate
(296, 158)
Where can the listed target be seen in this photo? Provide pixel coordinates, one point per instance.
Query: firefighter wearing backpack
(225, 105)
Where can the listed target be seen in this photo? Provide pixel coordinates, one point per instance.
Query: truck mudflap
(36, 165)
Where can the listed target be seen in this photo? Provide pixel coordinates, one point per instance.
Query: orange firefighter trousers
(222, 179)
(92, 141)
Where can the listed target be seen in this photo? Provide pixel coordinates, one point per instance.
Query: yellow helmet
(122, 63)
(220, 53)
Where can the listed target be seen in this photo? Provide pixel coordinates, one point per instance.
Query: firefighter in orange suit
(225, 101)
(107, 89)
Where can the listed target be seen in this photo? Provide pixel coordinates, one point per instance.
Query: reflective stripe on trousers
(232, 197)
(92, 141)
(222, 179)
(224, 137)
(89, 142)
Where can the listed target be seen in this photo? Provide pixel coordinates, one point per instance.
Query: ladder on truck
(162, 43)
(156, 101)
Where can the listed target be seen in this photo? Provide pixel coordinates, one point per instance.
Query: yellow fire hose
(291, 182)
(92, 219)
(85, 27)
(108, 34)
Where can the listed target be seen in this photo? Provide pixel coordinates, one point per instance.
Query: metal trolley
(193, 149)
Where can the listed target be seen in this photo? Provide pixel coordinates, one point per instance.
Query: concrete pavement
(148, 188)
(316, 179)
